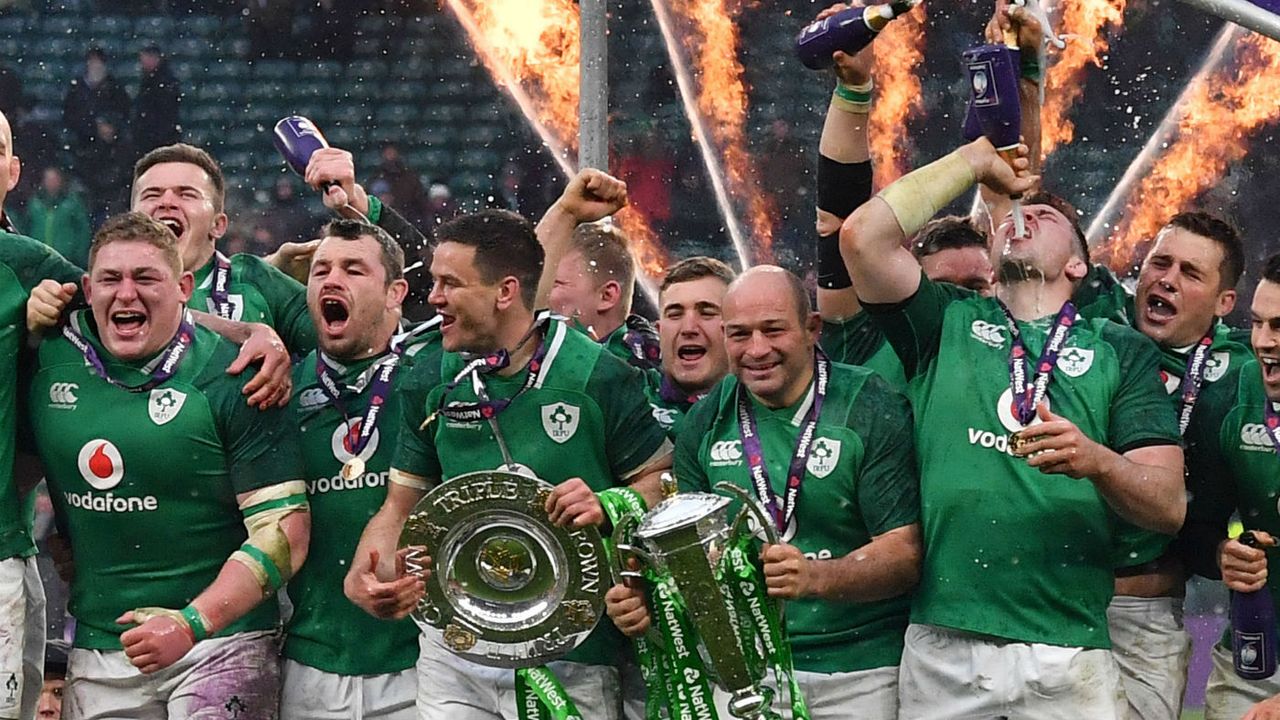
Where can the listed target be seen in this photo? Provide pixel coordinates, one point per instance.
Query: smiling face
(136, 298)
(1180, 289)
(182, 196)
(353, 306)
(466, 304)
(770, 346)
(1265, 335)
(691, 333)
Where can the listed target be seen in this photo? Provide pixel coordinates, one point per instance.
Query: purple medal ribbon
(641, 340)
(161, 369)
(484, 365)
(668, 391)
(218, 290)
(1027, 396)
(1272, 424)
(749, 432)
(1193, 380)
(384, 373)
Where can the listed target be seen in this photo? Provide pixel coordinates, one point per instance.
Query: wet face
(351, 303)
(181, 196)
(770, 347)
(1265, 335)
(1179, 288)
(574, 293)
(968, 267)
(1047, 249)
(136, 298)
(466, 304)
(691, 333)
(50, 705)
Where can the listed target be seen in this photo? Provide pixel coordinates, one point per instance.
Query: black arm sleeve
(842, 187)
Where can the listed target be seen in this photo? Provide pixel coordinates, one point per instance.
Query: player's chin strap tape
(842, 187)
(266, 553)
(917, 196)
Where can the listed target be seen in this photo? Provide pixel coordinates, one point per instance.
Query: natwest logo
(100, 464)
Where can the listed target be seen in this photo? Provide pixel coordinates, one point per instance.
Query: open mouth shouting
(1270, 369)
(128, 324)
(335, 314)
(689, 354)
(175, 225)
(1159, 309)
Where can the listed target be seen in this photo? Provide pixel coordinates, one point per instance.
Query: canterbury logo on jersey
(1253, 437)
(63, 395)
(665, 417)
(987, 333)
(726, 452)
(311, 398)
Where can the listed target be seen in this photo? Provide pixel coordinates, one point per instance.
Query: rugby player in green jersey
(851, 536)
(338, 661)
(1247, 471)
(1185, 286)
(1026, 468)
(184, 508)
(23, 263)
(571, 413)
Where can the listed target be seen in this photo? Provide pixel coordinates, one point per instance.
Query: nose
(757, 345)
(436, 296)
(126, 289)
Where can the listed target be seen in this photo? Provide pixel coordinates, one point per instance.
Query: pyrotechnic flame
(1220, 110)
(899, 53)
(711, 41)
(530, 48)
(1088, 25)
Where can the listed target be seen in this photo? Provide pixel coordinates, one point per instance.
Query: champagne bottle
(1253, 628)
(848, 30)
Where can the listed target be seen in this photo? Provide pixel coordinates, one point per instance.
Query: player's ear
(186, 283)
(396, 293)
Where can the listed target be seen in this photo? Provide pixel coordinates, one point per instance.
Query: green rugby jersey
(1101, 295)
(1247, 465)
(858, 341)
(586, 416)
(1009, 551)
(860, 481)
(260, 293)
(1206, 498)
(669, 414)
(24, 262)
(328, 631)
(145, 483)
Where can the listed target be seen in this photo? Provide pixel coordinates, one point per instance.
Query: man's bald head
(10, 167)
(771, 279)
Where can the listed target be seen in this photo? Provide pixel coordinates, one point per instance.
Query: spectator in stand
(441, 207)
(95, 94)
(106, 169)
(156, 109)
(287, 218)
(403, 183)
(56, 216)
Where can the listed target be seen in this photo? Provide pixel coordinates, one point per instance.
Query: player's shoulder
(1125, 339)
(211, 356)
(31, 261)
(255, 270)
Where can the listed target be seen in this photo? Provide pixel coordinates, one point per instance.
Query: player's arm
(1139, 471)
(279, 529)
(378, 580)
(844, 174)
(883, 271)
(286, 300)
(260, 345)
(887, 485)
(590, 196)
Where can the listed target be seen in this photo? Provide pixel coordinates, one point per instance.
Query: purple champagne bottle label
(846, 30)
(297, 139)
(993, 97)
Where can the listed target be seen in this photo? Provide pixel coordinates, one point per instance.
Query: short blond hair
(137, 227)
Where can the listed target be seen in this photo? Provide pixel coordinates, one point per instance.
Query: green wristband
(375, 209)
(854, 93)
(196, 622)
(1031, 69)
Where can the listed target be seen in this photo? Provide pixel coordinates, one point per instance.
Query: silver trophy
(685, 536)
(508, 588)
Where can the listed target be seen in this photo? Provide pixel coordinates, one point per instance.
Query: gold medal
(352, 469)
(1017, 442)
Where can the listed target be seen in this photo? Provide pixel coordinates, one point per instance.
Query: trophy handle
(625, 550)
(750, 506)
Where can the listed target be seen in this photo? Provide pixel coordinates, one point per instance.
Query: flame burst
(530, 48)
(1084, 21)
(899, 54)
(1219, 111)
(711, 40)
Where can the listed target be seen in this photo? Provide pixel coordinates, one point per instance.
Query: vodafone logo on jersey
(344, 440)
(1004, 409)
(100, 464)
